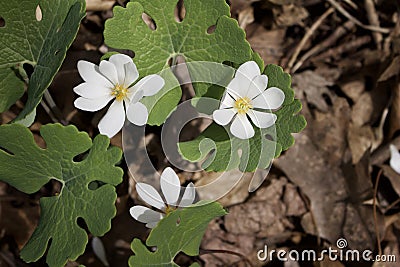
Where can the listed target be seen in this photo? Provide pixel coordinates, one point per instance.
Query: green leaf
(9, 79)
(43, 44)
(189, 38)
(221, 152)
(27, 167)
(181, 231)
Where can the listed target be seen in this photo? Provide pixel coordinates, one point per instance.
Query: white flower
(114, 79)
(394, 159)
(247, 97)
(170, 187)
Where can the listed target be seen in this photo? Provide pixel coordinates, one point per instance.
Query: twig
(344, 47)
(339, 32)
(373, 20)
(223, 251)
(307, 36)
(48, 111)
(378, 238)
(350, 3)
(392, 205)
(53, 107)
(356, 21)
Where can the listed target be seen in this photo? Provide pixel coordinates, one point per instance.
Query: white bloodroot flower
(113, 79)
(247, 97)
(394, 159)
(170, 187)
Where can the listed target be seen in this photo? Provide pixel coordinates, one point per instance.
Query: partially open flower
(171, 188)
(247, 97)
(114, 79)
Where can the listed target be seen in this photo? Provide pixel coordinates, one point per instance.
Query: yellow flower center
(120, 92)
(243, 105)
(169, 209)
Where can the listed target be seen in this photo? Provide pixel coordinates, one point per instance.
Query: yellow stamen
(120, 92)
(169, 209)
(243, 105)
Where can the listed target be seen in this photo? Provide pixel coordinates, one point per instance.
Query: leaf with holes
(154, 49)
(181, 231)
(28, 168)
(36, 32)
(220, 152)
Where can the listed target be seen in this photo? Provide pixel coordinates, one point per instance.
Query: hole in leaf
(180, 11)
(57, 52)
(149, 22)
(2, 22)
(38, 13)
(211, 29)
(170, 61)
(28, 68)
(56, 187)
(82, 224)
(269, 137)
(52, 188)
(7, 151)
(80, 157)
(95, 185)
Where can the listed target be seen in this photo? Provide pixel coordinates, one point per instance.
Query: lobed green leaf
(28, 168)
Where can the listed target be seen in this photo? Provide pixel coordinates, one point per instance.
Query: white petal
(150, 195)
(114, 119)
(170, 186)
(223, 116)
(90, 73)
(272, 98)
(188, 196)
(394, 159)
(150, 85)
(227, 101)
(241, 127)
(119, 61)
(144, 214)
(262, 119)
(248, 71)
(153, 224)
(109, 71)
(92, 104)
(99, 251)
(137, 114)
(237, 88)
(137, 96)
(91, 90)
(131, 73)
(257, 86)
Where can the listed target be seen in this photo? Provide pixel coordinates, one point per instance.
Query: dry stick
(339, 32)
(356, 21)
(307, 36)
(54, 108)
(350, 3)
(345, 47)
(223, 251)
(378, 238)
(392, 205)
(373, 20)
